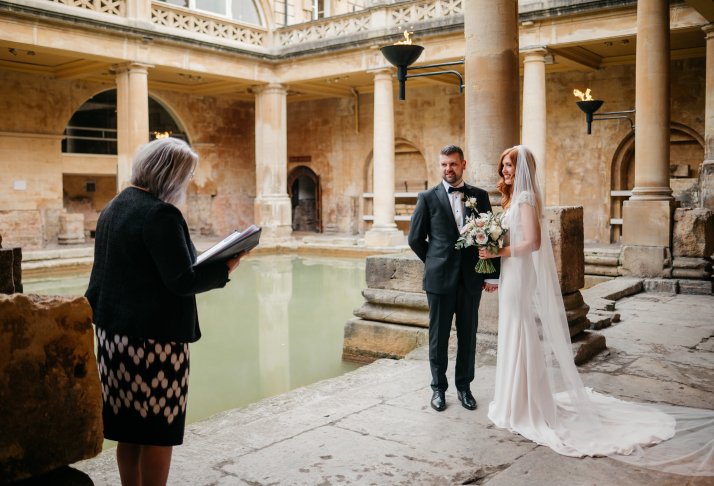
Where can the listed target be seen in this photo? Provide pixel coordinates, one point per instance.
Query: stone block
(599, 321)
(706, 184)
(50, 394)
(593, 280)
(71, 229)
(646, 261)
(701, 287)
(369, 340)
(401, 271)
(614, 289)
(393, 314)
(678, 170)
(7, 266)
(647, 223)
(693, 234)
(565, 224)
(685, 191)
(384, 237)
(664, 285)
(23, 228)
(587, 345)
(414, 300)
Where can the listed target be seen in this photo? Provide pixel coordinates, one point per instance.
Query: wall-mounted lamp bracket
(589, 107)
(404, 55)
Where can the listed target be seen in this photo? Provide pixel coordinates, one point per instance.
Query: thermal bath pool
(276, 326)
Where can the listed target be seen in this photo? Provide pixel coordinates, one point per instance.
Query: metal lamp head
(589, 108)
(402, 56)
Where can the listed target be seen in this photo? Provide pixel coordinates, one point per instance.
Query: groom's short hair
(452, 149)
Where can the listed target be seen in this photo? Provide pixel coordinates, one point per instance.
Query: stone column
(272, 204)
(534, 113)
(492, 84)
(132, 116)
(384, 231)
(706, 172)
(647, 215)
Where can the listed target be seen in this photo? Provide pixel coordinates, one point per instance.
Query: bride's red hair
(506, 190)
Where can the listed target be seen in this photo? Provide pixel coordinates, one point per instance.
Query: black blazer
(433, 234)
(142, 282)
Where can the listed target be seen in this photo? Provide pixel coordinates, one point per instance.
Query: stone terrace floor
(375, 426)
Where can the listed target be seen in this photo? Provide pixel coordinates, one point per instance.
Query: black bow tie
(456, 189)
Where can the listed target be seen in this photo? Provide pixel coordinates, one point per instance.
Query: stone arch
(411, 176)
(265, 9)
(89, 152)
(622, 169)
(305, 195)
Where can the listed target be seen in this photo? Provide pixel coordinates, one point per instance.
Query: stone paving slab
(374, 425)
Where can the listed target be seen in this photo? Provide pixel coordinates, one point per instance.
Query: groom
(452, 286)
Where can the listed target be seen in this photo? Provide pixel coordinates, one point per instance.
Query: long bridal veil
(579, 421)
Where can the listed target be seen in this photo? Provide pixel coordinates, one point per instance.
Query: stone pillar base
(384, 237)
(274, 214)
(367, 340)
(646, 261)
(647, 222)
(71, 229)
(706, 184)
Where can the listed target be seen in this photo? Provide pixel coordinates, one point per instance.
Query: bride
(539, 393)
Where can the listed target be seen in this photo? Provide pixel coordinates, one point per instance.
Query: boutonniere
(471, 203)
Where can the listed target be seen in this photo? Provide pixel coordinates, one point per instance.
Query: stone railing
(111, 7)
(394, 18)
(324, 29)
(193, 22)
(375, 21)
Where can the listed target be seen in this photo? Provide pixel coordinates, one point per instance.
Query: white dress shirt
(456, 199)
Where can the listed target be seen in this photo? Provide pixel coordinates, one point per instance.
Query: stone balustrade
(375, 21)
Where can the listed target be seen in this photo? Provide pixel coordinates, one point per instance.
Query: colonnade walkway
(375, 426)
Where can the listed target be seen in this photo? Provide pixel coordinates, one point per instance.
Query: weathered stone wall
(336, 135)
(579, 165)
(339, 144)
(50, 395)
(221, 130)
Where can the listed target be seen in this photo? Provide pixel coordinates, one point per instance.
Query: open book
(231, 245)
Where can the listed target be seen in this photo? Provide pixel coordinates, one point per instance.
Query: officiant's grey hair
(164, 167)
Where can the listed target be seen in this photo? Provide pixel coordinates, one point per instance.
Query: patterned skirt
(144, 389)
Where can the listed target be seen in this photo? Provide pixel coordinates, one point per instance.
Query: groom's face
(452, 168)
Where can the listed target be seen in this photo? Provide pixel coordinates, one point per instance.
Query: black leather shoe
(438, 401)
(467, 399)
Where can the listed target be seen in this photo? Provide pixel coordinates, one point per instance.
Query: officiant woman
(142, 291)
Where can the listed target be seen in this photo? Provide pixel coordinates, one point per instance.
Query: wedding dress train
(539, 393)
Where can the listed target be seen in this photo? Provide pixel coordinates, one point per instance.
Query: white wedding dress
(538, 391)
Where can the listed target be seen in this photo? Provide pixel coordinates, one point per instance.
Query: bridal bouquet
(486, 230)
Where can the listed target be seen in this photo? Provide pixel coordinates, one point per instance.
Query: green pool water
(276, 326)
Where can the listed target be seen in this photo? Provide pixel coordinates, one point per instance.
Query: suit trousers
(442, 308)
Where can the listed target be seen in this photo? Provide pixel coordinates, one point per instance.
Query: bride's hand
(483, 254)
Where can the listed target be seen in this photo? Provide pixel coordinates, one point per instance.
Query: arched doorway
(686, 153)
(305, 196)
(89, 153)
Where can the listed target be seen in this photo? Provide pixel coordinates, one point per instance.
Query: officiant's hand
(233, 262)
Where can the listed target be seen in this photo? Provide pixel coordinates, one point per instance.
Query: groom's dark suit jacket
(434, 219)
